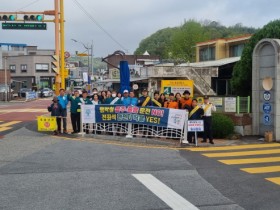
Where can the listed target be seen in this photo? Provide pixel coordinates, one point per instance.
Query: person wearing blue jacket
(63, 101)
(133, 99)
(126, 99)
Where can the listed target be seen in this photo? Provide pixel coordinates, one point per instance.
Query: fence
(134, 122)
(230, 104)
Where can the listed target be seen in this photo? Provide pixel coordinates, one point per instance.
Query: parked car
(22, 91)
(46, 92)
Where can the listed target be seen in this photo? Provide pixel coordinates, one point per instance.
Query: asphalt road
(39, 171)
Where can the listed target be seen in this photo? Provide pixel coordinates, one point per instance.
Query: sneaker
(203, 141)
(65, 131)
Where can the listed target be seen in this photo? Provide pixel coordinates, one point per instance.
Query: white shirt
(208, 112)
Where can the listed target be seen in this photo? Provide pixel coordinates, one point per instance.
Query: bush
(222, 125)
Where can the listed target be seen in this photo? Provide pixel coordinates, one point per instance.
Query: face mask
(114, 95)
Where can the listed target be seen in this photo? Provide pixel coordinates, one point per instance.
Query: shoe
(74, 132)
(211, 142)
(65, 131)
(203, 141)
(55, 133)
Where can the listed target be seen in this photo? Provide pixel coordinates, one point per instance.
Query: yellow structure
(176, 86)
(221, 48)
(46, 123)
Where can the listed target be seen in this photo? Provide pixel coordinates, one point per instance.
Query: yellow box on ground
(46, 123)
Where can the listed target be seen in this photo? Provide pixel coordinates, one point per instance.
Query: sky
(110, 25)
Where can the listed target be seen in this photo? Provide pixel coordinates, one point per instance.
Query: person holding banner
(75, 112)
(155, 100)
(125, 99)
(208, 109)
(171, 103)
(56, 110)
(113, 99)
(145, 100)
(133, 99)
(186, 101)
(195, 113)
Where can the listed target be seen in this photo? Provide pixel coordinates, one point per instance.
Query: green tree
(242, 73)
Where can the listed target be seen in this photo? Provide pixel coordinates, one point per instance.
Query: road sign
(25, 26)
(66, 54)
(266, 95)
(267, 119)
(267, 108)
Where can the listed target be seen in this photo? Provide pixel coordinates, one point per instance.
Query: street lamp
(91, 54)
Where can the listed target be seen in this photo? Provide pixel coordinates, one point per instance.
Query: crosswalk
(23, 110)
(4, 126)
(261, 158)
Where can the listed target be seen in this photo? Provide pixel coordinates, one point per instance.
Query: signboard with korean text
(230, 104)
(195, 125)
(153, 116)
(176, 86)
(46, 123)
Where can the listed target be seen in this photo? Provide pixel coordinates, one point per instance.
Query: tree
(242, 73)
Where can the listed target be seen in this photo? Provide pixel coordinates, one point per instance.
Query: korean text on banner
(46, 123)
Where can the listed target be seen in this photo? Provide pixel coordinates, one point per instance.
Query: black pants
(58, 122)
(64, 115)
(76, 122)
(191, 137)
(208, 133)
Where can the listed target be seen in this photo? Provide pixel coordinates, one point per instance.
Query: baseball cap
(125, 91)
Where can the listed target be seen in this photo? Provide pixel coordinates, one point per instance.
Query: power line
(27, 5)
(98, 25)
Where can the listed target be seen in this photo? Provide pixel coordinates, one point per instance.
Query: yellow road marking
(251, 146)
(245, 153)
(250, 160)
(260, 170)
(22, 110)
(5, 128)
(9, 123)
(275, 180)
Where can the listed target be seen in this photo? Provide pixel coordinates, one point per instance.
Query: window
(23, 68)
(13, 68)
(236, 50)
(207, 54)
(42, 67)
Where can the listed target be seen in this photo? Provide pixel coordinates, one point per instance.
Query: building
(28, 65)
(221, 48)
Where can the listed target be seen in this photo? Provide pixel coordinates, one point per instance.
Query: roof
(215, 63)
(118, 80)
(231, 39)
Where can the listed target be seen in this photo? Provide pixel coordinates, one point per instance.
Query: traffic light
(8, 17)
(55, 64)
(33, 18)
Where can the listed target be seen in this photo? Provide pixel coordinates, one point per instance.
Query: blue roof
(13, 44)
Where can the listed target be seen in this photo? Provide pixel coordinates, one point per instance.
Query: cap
(186, 92)
(144, 90)
(125, 91)
(206, 97)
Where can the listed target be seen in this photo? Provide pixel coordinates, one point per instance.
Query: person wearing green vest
(75, 111)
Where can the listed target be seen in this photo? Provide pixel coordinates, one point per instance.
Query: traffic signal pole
(62, 45)
(58, 13)
(56, 22)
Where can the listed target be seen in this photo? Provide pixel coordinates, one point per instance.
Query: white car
(46, 92)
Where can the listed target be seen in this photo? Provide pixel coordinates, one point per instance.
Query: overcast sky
(127, 22)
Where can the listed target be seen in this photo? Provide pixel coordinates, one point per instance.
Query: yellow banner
(176, 86)
(46, 123)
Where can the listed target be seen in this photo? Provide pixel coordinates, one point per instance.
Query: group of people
(175, 101)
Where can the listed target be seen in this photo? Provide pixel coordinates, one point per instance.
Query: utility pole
(6, 85)
(62, 45)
